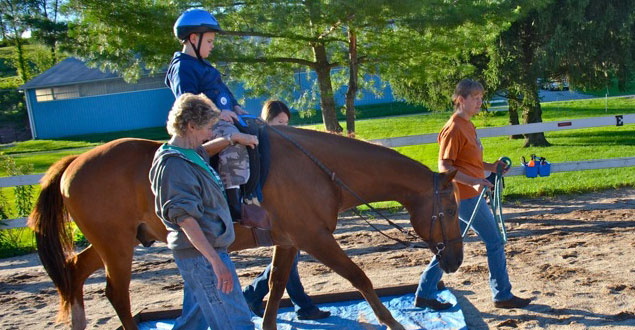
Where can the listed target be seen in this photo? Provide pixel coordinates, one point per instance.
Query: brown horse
(107, 193)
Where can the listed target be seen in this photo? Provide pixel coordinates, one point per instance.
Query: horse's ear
(446, 178)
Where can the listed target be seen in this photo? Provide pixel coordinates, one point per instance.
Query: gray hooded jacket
(183, 189)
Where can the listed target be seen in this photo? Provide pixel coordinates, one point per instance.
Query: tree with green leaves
(589, 42)
(393, 39)
(46, 27)
(14, 19)
(266, 44)
(329, 39)
(123, 36)
(3, 29)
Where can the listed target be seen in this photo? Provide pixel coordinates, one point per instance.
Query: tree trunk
(528, 85)
(327, 99)
(532, 113)
(22, 68)
(53, 54)
(54, 45)
(352, 83)
(513, 101)
(2, 29)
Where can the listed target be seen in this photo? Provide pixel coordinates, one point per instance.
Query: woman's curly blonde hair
(190, 108)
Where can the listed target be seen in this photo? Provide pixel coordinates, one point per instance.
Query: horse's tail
(49, 221)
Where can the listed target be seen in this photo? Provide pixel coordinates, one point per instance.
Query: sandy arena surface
(574, 255)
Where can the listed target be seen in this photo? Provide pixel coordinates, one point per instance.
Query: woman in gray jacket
(191, 202)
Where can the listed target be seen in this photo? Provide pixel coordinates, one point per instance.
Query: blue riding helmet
(195, 21)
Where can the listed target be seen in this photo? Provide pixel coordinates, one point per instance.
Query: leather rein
(436, 247)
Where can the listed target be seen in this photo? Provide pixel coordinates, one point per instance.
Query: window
(57, 93)
(43, 95)
(104, 87)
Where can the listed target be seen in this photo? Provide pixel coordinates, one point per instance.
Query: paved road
(550, 96)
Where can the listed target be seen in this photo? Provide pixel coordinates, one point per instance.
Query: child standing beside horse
(277, 113)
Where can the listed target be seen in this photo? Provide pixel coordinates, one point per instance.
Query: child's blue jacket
(187, 74)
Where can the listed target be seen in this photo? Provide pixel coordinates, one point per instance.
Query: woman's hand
(239, 110)
(502, 164)
(245, 139)
(223, 275)
(480, 184)
(228, 116)
(194, 233)
(493, 167)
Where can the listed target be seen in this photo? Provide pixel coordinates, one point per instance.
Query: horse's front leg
(282, 262)
(324, 247)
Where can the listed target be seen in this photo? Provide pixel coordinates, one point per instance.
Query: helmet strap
(197, 49)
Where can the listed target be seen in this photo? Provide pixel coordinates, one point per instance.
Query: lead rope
(495, 201)
(334, 178)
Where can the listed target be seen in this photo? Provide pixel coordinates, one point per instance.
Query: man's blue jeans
(256, 291)
(204, 306)
(486, 228)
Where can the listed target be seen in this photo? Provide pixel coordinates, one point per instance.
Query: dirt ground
(574, 255)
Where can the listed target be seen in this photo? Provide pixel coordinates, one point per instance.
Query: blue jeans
(486, 228)
(256, 291)
(204, 306)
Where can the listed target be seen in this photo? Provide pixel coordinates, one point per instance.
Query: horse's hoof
(396, 326)
(269, 326)
(78, 317)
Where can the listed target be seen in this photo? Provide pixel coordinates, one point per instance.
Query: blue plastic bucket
(531, 171)
(544, 169)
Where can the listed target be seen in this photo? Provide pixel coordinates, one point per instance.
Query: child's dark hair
(272, 108)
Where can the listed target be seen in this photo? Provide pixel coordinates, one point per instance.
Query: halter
(438, 214)
(436, 247)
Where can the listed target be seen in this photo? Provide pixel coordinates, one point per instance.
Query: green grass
(19, 241)
(41, 154)
(362, 112)
(432, 122)
(32, 146)
(152, 133)
(594, 143)
(613, 89)
(10, 196)
(570, 145)
(42, 161)
(15, 242)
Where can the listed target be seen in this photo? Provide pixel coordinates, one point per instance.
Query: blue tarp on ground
(357, 315)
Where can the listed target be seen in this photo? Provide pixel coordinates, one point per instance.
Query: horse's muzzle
(451, 258)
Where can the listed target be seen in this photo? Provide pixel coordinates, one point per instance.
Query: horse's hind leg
(324, 247)
(282, 262)
(83, 264)
(117, 258)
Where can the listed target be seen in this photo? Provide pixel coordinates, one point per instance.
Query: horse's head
(437, 222)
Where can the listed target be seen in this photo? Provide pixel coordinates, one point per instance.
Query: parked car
(555, 85)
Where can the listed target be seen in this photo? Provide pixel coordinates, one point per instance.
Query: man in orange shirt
(460, 149)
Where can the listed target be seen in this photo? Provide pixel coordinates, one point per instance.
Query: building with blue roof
(72, 99)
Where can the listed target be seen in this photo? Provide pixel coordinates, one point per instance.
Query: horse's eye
(451, 212)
